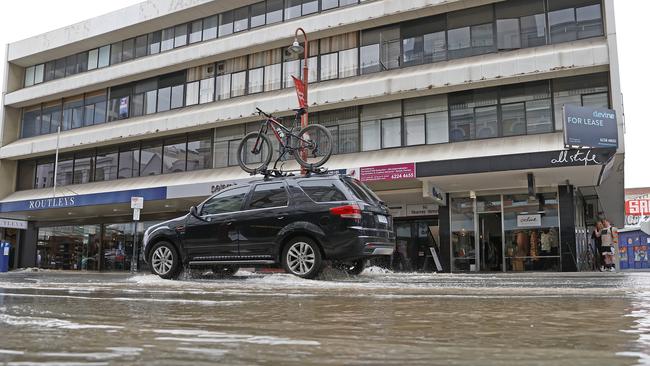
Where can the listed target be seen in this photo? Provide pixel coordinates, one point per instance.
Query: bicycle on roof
(255, 150)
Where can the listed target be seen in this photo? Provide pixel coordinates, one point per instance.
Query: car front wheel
(165, 261)
(301, 257)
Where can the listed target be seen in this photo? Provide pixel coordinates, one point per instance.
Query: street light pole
(305, 78)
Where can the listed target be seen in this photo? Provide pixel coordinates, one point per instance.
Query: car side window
(228, 201)
(322, 190)
(268, 195)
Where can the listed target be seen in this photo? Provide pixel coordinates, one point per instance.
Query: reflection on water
(377, 318)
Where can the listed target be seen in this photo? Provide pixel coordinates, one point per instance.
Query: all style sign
(534, 220)
(590, 127)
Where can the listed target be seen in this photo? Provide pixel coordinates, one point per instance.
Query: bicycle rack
(277, 173)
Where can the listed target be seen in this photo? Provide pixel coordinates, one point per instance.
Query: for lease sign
(637, 207)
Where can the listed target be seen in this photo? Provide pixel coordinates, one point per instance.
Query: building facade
(452, 111)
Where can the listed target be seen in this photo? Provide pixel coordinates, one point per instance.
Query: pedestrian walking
(607, 246)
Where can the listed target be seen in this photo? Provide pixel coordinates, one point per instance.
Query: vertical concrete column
(27, 246)
(445, 236)
(567, 228)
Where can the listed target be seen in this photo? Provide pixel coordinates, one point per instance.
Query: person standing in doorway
(595, 235)
(607, 245)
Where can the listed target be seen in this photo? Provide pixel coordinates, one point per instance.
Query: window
(274, 10)
(93, 56)
(380, 49)
(151, 159)
(520, 24)
(226, 23)
(164, 99)
(73, 112)
(589, 19)
(348, 62)
(256, 80)
(119, 103)
(470, 32)
(428, 114)
(415, 130)
(95, 108)
(64, 172)
(31, 124)
(268, 196)
(199, 152)
(154, 42)
(174, 155)
(106, 165)
(51, 117)
(59, 68)
(206, 93)
(423, 41)
(241, 19)
(128, 49)
(70, 65)
(49, 70)
(272, 77)
(180, 35)
(84, 164)
(329, 4)
(574, 19)
(210, 27)
(226, 143)
(381, 125)
(573, 89)
(224, 202)
(291, 68)
(29, 76)
(238, 84)
(473, 114)
(116, 53)
(292, 8)
(167, 40)
(129, 162)
(322, 190)
(177, 96)
(192, 93)
(196, 29)
(140, 104)
(329, 66)
(141, 46)
(258, 14)
(344, 125)
(44, 174)
(104, 56)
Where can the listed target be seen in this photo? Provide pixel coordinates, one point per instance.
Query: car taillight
(347, 211)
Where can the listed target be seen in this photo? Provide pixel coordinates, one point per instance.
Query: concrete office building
(451, 110)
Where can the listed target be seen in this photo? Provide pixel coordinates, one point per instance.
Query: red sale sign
(638, 207)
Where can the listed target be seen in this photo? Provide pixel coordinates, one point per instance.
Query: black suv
(295, 221)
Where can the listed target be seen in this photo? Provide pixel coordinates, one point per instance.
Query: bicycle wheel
(316, 141)
(254, 152)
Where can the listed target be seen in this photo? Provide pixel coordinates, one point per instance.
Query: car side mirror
(194, 212)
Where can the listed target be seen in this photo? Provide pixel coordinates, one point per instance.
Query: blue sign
(590, 127)
(104, 198)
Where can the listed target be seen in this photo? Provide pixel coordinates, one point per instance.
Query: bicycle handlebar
(259, 111)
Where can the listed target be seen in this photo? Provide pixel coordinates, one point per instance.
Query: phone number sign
(387, 172)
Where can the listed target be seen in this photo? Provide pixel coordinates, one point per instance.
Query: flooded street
(376, 318)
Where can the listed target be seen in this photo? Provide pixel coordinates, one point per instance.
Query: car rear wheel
(165, 261)
(301, 257)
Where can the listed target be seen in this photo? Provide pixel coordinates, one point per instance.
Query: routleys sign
(590, 127)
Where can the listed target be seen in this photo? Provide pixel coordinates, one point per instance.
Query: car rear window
(322, 190)
(362, 191)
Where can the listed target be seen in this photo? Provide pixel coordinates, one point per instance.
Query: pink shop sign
(387, 172)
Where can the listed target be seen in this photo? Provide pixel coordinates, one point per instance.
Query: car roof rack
(279, 173)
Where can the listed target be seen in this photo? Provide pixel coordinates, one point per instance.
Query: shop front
(505, 232)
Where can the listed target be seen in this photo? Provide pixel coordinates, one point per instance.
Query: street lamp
(296, 49)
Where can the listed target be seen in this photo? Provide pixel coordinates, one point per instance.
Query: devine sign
(387, 172)
(534, 220)
(638, 207)
(13, 224)
(590, 127)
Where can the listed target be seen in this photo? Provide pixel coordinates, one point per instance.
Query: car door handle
(281, 218)
(229, 223)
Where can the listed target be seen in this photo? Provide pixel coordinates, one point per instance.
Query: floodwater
(50, 317)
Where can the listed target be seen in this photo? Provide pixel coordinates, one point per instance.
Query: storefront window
(69, 247)
(462, 234)
(117, 247)
(531, 228)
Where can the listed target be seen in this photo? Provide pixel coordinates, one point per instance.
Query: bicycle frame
(274, 125)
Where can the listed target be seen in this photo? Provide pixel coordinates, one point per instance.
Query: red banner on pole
(300, 91)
